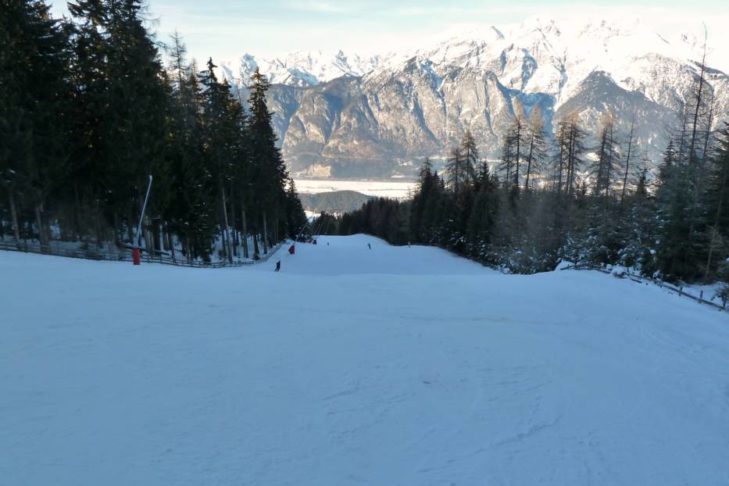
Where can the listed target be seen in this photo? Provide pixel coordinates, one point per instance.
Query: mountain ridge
(380, 116)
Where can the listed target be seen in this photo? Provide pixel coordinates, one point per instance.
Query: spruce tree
(268, 172)
(35, 89)
(537, 148)
(717, 200)
(136, 112)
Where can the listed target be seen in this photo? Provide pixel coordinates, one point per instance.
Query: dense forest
(89, 111)
(580, 197)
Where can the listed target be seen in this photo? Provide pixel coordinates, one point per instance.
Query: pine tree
(420, 200)
(537, 148)
(606, 164)
(676, 252)
(630, 151)
(90, 116)
(220, 133)
(190, 208)
(461, 165)
(717, 199)
(295, 216)
(136, 112)
(268, 172)
(513, 148)
(482, 215)
(638, 228)
(35, 90)
(574, 154)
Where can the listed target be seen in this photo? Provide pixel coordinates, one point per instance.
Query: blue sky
(226, 28)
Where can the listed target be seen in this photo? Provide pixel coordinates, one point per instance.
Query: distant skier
(278, 266)
(292, 249)
(369, 246)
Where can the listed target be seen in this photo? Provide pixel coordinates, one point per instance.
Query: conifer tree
(190, 211)
(136, 111)
(717, 199)
(606, 164)
(536, 149)
(90, 117)
(461, 165)
(35, 91)
(627, 167)
(268, 172)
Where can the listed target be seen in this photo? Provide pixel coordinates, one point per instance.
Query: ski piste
(396, 365)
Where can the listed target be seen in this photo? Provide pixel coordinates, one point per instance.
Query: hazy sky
(225, 29)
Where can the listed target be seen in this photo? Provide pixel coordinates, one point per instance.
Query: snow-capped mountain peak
(303, 69)
(389, 111)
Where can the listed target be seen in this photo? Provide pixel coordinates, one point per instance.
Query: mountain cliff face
(345, 116)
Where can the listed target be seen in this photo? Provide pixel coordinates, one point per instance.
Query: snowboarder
(369, 246)
(278, 266)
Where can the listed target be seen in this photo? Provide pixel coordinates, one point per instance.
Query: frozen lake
(395, 189)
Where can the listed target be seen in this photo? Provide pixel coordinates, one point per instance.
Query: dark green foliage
(717, 206)
(680, 249)
(295, 218)
(34, 107)
(602, 219)
(87, 113)
(385, 218)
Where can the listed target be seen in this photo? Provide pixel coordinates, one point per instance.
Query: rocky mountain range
(347, 116)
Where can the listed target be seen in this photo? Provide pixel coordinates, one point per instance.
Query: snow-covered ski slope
(390, 366)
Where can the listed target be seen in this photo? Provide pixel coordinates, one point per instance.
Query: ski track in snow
(390, 366)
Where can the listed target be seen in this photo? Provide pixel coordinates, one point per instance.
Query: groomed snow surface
(389, 366)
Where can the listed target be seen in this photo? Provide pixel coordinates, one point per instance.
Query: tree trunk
(14, 216)
(699, 98)
(561, 168)
(226, 228)
(41, 232)
(245, 229)
(571, 163)
(529, 163)
(256, 251)
(170, 243)
(232, 221)
(518, 154)
(135, 239)
(149, 241)
(265, 234)
(76, 209)
(717, 217)
(627, 162)
(233, 225)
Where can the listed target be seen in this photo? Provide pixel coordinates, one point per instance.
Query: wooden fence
(660, 283)
(117, 254)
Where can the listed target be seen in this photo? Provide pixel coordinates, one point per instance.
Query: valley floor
(390, 366)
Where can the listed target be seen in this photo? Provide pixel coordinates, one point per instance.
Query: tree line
(88, 111)
(579, 196)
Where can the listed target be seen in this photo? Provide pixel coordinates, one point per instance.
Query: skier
(278, 266)
(369, 246)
